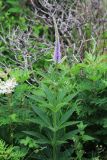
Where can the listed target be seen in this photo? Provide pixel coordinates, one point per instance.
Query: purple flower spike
(57, 53)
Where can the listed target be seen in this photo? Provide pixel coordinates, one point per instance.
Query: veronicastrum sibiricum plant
(52, 114)
(57, 51)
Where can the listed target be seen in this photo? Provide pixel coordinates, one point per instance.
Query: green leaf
(34, 134)
(87, 138)
(13, 2)
(49, 94)
(39, 121)
(70, 135)
(59, 106)
(41, 139)
(70, 97)
(42, 115)
(62, 93)
(15, 10)
(66, 124)
(67, 115)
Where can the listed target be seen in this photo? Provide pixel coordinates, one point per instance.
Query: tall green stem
(54, 137)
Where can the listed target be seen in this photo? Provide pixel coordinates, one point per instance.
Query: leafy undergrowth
(53, 97)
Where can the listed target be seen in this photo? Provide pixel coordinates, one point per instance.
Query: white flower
(8, 86)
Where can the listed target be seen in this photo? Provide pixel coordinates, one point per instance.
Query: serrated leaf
(66, 116)
(42, 115)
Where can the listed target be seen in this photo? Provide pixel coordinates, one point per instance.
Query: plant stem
(10, 111)
(54, 137)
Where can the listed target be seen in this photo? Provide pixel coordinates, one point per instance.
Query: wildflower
(8, 86)
(57, 52)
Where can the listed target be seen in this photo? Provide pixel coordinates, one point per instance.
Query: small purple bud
(57, 53)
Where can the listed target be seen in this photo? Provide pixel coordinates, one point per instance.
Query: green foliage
(91, 77)
(20, 75)
(30, 142)
(53, 112)
(64, 98)
(10, 152)
(15, 6)
(61, 108)
(80, 139)
(66, 108)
